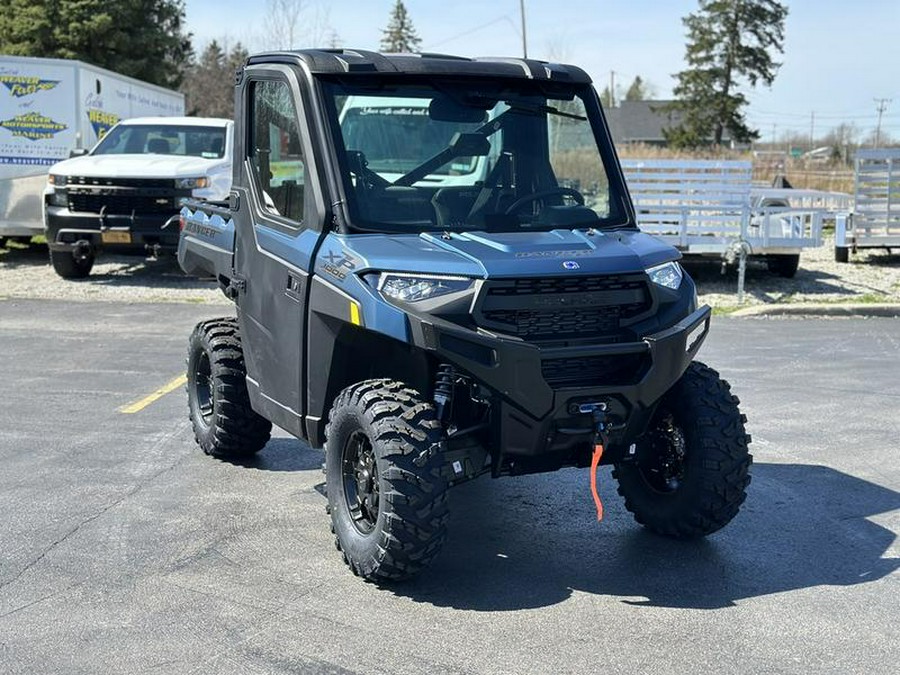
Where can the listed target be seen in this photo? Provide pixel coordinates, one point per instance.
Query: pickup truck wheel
(386, 494)
(691, 469)
(784, 265)
(224, 423)
(68, 266)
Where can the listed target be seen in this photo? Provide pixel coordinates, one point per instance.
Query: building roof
(644, 121)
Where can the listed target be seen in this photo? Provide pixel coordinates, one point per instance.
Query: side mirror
(78, 152)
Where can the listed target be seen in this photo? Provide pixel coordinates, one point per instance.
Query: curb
(829, 309)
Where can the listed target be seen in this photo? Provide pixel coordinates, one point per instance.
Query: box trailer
(49, 107)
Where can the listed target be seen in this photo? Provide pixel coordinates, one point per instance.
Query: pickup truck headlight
(191, 183)
(668, 274)
(411, 288)
(57, 180)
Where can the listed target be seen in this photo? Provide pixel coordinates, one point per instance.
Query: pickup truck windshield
(163, 139)
(484, 154)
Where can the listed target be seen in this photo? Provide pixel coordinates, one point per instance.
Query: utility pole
(812, 130)
(881, 105)
(774, 135)
(524, 32)
(612, 89)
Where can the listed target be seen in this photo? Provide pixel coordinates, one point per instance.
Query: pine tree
(638, 91)
(141, 38)
(606, 99)
(400, 36)
(729, 44)
(209, 81)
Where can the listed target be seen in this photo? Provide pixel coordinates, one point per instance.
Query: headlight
(407, 288)
(57, 180)
(668, 274)
(191, 183)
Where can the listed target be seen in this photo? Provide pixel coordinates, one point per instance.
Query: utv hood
(513, 254)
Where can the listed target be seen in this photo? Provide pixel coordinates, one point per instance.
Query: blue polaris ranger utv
(437, 275)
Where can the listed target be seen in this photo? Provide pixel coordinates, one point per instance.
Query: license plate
(115, 237)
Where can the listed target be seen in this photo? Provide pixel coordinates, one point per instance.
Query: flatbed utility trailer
(712, 208)
(875, 219)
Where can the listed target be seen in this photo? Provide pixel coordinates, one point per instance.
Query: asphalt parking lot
(124, 549)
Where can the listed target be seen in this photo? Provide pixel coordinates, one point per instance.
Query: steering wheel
(527, 199)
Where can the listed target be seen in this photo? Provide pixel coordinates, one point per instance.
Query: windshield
(396, 135)
(491, 155)
(163, 139)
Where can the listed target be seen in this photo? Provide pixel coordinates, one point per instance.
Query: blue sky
(838, 57)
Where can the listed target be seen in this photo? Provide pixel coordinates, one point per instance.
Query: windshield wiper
(537, 109)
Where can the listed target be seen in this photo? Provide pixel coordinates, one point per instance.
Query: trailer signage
(26, 85)
(34, 126)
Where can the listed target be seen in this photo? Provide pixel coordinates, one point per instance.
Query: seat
(158, 146)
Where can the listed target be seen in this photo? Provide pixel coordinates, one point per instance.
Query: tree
(729, 43)
(606, 99)
(400, 36)
(639, 90)
(140, 38)
(209, 80)
(294, 24)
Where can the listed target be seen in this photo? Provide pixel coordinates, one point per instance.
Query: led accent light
(408, 288)
(668, 275)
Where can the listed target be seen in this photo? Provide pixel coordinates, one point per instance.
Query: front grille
(165, 183)
(120, 204)
(595, 371)
(122, 196)
(560, 309)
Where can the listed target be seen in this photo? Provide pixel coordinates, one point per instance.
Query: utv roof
(359, 61)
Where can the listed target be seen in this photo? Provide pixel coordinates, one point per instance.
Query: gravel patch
(871, 277)
(26, 273)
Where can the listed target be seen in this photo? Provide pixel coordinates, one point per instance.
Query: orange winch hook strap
(595, 462)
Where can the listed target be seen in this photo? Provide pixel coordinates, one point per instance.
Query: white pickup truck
(126, 192)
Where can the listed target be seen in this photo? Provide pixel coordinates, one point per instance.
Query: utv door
(277, 230)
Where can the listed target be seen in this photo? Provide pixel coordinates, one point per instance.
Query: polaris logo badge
(571, 265)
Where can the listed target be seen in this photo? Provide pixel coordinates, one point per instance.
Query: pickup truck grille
(560, 309)
(122, 196)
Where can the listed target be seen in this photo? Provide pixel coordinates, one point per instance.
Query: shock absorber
(443, 390)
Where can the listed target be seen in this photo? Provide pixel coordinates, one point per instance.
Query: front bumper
(64, 228)
(537, 417)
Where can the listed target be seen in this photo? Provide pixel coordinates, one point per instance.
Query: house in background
(644, 122)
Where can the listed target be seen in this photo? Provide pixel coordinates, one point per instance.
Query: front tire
(225, 425)
(691, 470)
(386, 494)
(68, 266)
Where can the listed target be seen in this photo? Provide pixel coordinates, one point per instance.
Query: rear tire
(68, 267)
(841, 254)
(691, 471)
(386, 494)
(224, 423)
(784, 265)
